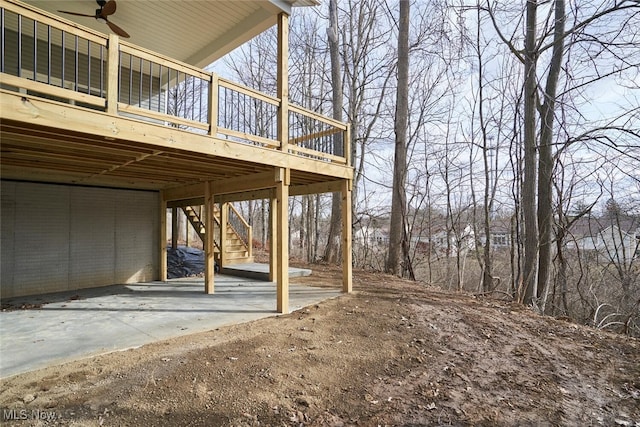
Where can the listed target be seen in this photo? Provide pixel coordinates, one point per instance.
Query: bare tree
(368, 62)
(550, 39)
(331, 253)
(398, 244)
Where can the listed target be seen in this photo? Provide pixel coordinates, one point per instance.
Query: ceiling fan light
(107, 8)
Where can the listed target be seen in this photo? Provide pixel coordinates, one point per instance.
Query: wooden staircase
(235, 248)
(196, 222)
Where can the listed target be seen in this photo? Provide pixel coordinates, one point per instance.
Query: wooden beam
(314, 135)
(209, 252)
(283, 81)
(20, 108)
(244, 196)
(113, 65)
(169, 118)
(316, 154)
(162, 249)
(240, 184)
(347, 257)
(115, 167)
(212, 117)
(30, 85)
(197, 201)
(246, 90)
(249, 137)
(256, 181)
(273, 237)
(224, 221)
(225, 198)
(319, 117)
(174, 228)
(282, 253)
(165, 61)
(192, 191)
(316, 188)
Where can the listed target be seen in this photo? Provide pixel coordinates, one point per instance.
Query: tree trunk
(311, 222)
(264, 223)
(562, 269)
(302, 244)
(530, 146)
(332, 251)
(316, 227)
(545, 161)
(487, 278)
(397, 234)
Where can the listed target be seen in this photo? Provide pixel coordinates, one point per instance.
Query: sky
(600, 101)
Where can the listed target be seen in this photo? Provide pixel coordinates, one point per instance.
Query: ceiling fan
(106, 8)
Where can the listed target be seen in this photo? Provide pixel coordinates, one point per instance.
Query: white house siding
(620, 246)
(59, 237)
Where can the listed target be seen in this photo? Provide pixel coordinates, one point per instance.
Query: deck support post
(174, 228)
(224, 223)
(213, 105)
(273, 237)
(347, 257)
(280, 263)
(113, 64)
(283, 81)
(209, 249)
(163, 239)
(282, 235)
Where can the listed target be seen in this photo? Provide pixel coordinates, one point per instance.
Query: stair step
(236, 256)
(232, 248)
(235, 248)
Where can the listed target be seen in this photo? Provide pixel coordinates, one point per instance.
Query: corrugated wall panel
(8, 204)
(93, 243)
(139, 212)
(57, 237)
(41, 236)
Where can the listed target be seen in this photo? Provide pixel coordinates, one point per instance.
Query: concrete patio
(85, 323)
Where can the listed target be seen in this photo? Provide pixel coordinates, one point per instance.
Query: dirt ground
(392, 353)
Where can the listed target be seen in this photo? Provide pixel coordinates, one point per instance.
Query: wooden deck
(112, 116)
(78, 107)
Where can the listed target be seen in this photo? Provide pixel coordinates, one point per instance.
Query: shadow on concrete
(60, 327)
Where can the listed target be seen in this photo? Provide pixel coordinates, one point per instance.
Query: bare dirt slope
(392, 353)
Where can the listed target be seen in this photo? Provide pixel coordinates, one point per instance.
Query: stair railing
(195, 219)
(240, 226)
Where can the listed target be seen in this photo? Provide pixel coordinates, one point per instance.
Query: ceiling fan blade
(76, 14)
(109, 8)
(119, 31)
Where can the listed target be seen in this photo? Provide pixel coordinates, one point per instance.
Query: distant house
(372, 231)
(439, 240)
(500, 230)
(432, 236)
(617, 239)
(500, 233)
(448, 242)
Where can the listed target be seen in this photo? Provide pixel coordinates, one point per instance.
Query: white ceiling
(194, 31)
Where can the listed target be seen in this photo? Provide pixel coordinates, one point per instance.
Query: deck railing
(44, 55)
(240, 226)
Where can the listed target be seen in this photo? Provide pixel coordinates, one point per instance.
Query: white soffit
(194, 31)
